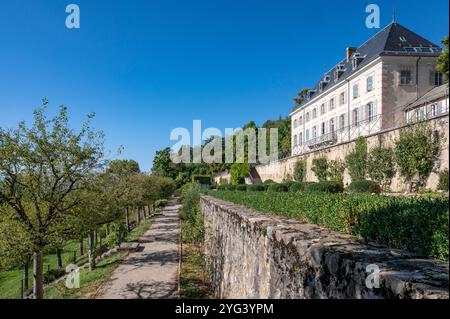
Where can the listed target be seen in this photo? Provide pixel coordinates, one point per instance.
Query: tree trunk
(91, 250)
(26, 277)
(127, 220)
(81, 246)
(138, 216)
(107, 229)
(38, 286)
(58, 258)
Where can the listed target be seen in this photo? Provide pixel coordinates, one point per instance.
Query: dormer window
(338, 72)
(326, 79)
(321, 86)
(355, 62)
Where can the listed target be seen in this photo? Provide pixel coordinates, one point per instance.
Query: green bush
(241, 188)
(239, 171)
(417, 225)
(117, 234)
(53, 274)
(230, 187)
(161, 203)
(222, 187)
(269, 181)
(364, 186)
(320, 168)
(298, 187)
(356, 161)
(324, 187)
(443, 181)
(255, 188)
(300, 171)
(192, 216)
(277, 188)
(201, 179)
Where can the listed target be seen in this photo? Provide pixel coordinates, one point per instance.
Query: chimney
(350, 52)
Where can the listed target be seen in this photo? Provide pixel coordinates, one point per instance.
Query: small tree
(239, 171)
(320, 168)
(42, 169)
(336, 170)
(444, 59)
(416, 151)
(356, 161)
(300, 171)
(381, 166)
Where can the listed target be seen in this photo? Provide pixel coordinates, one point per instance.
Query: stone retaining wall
(254, 255)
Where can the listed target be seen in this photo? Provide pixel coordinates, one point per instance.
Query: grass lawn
(194, 281)
(10, 281)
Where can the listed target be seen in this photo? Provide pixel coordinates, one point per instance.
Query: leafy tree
(356, 161)
(42, 170)
(443, 60)
(239, 171)
(320, 168)
(300, 171)
(123, 167)
(301, 96)
(336, 169)
(416, 151)
(163, 165)
(381, 165)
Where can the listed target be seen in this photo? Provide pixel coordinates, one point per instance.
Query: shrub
(381, 165)
(161, 203)
(222, 187)
(324, 187)
(116, 235)
(364, 186)
(192, 217)
(255, 188)
(336, 171)
(184, 189)
(241, 188)
(300, 171)
(277, 188)
(320, 168)
(190, 204)
(297, 187)
(443, 181)
(239, 171)
(269, 181)
(356, 161)
(53, 274)
(230, 187)
(201, 179)
(415, 153)
(418, 225)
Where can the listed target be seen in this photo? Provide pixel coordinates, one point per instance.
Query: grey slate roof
(434, 94)
(391, 41)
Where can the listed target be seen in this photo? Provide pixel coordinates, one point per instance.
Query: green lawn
(10, 281)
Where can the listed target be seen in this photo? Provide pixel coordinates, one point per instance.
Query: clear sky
(147, 67)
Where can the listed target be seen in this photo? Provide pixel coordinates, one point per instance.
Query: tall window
(355, 91)
(370, 112)
(342, 121)
(314, 113)
(438, 78)
(300, 139)
(307, 135)
(314, 132)
(300, 120)
(322, 109)
(331, 104)
(342, 98)
(332, 125)
(295, 140)
(323, 129)
(369, 83)
(295, 123)
(307, 117)
(355, 117)
(405, 77)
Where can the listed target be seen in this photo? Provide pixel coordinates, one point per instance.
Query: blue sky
(147, 67)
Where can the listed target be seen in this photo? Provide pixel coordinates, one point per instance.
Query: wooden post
(38, 287)
(74, 257)
(127, 220)
(22, 290)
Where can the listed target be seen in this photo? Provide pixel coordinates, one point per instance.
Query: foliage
(381, 165)
(269, 181)
(300, 171)
(324, 187)
(54, 274)
(193, 218)
(336, 169)
(163, 165)
(416, 151)
(414, 224)
(230, 187)
(123, 167)
(256, 188)
(241, 188)
(239, 171)
(320, 168)
(363, 186)
(443, 60)
(443, 181)
(201, 179)
(356, 161)
(277, 188)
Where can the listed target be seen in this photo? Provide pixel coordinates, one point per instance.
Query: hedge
(277, 188)
(241, 188)
(416, 224)
(324, 187)
(256, 188)
(201, 179)
(364, 186)
(298, 186)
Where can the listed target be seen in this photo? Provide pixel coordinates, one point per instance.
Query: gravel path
(153, 271)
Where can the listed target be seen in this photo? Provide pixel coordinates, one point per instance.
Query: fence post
(22, 289)
(74, 256)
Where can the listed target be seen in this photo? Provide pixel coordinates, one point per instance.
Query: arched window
(332, 125)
